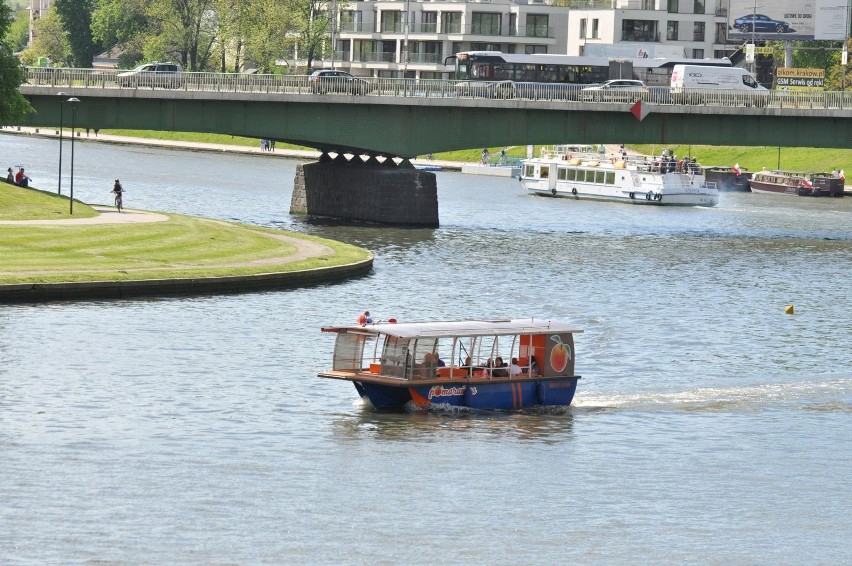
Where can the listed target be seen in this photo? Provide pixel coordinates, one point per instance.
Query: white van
(697, 83)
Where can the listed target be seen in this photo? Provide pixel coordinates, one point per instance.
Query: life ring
(647, 196)
(631, 195)
(553, 191)
(574, 191)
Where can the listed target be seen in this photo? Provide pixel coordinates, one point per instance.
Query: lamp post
(73, 101)
(59, 186)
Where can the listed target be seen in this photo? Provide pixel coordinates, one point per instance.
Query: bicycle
(117, 190)
(118, 202)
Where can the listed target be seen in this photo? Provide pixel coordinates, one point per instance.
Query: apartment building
(373, 35)
(696, 29)
(374, 40)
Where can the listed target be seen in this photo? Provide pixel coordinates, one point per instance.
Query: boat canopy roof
(460, 328)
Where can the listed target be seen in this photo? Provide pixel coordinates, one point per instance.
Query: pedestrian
(10, 178)
(485, 156)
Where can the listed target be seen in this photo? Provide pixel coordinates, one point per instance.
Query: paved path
(108, 215)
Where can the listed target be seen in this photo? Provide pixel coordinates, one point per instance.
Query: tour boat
(633, 180)
(797, 184)
(457, 363)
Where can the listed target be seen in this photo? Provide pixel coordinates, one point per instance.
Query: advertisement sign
(772, 19)
(831, 19)
(799, 79)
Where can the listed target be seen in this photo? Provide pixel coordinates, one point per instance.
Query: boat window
(396, 357)
(529, 171)
(610, 177)
(561, 173)
(349, 351)
(581, 175)
(599, 177)
(545, 171)
(572, 174)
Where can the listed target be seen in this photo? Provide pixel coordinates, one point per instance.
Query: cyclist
(117, 190)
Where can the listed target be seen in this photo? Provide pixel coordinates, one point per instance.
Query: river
(709, 426)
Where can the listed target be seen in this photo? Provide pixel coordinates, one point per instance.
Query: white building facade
(696, 29)
(374, 40)
(373, 35)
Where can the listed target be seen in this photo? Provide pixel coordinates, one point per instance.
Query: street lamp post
(73, 101)
(61, 106)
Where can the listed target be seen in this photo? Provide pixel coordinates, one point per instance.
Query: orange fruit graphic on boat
(559, 355)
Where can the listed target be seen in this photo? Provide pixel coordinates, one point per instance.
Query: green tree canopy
(13, 106)
(76, 17)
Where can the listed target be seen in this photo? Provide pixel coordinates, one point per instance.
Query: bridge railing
(58, 78)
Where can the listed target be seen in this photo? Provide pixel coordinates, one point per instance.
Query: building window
(537, 25)
(513, 24)
(510, 48)
(351, 21)
(671, 31)
(583, 28)
(457, 47)
(698, 32)
(639, 30)
(699, 7)
(535, 49)
(595, 29)
(485, 23)
(428, 22)
(698, 54)
(452, 22)
(672, 8)
(392, 21)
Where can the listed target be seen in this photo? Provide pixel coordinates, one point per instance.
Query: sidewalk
(200, 146)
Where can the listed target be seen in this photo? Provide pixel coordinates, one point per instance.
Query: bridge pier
(370, 191)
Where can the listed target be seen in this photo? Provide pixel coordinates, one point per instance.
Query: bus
(506, 72)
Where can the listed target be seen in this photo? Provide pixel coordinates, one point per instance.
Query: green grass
(17, 203)
(181, 247)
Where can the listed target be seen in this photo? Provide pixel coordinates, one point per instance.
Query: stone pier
(368, 191)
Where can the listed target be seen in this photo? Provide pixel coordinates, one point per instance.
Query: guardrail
(56, 78)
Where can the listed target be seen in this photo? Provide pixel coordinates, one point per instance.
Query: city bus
(505, 74)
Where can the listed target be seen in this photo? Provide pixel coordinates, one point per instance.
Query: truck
(696, 84)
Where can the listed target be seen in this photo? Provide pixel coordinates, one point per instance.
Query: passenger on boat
(534, 366)
(364, 318)
(427, 367)
(514, 368)
(499, 368)
(439, 363)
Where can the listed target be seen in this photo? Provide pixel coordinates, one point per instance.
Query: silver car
(152, 75)
(617, 90)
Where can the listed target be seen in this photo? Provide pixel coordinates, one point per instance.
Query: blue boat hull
(481, 395)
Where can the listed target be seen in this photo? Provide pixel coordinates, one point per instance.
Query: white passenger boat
(560, 173)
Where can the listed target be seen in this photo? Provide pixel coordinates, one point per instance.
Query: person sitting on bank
(10, 178)
(21, 179)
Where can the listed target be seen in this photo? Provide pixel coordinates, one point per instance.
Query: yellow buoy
(789, 309)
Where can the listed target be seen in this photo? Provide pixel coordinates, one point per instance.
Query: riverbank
(139, 253)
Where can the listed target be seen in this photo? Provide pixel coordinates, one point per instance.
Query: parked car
(324, 81)
(617, 90)
(759, 22)
(162, 75)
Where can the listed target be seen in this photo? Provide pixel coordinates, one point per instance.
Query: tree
(13, 106)
(50, 40)
(76, 17)
(267, 33)
(19, 31)
(311, 20)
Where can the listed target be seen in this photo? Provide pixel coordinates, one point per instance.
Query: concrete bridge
(404, 118)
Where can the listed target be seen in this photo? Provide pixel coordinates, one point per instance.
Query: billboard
(800, 79)
(787, 19)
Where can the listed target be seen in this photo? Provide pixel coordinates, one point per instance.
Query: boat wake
(833, 396)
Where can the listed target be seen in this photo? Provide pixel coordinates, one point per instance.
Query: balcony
(391, 27)
(431, 58)
(638, 36)
(532, 31)
(355, 27)
(374, 57)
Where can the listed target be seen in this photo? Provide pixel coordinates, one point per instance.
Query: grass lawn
(181, 247)
(17, 203)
